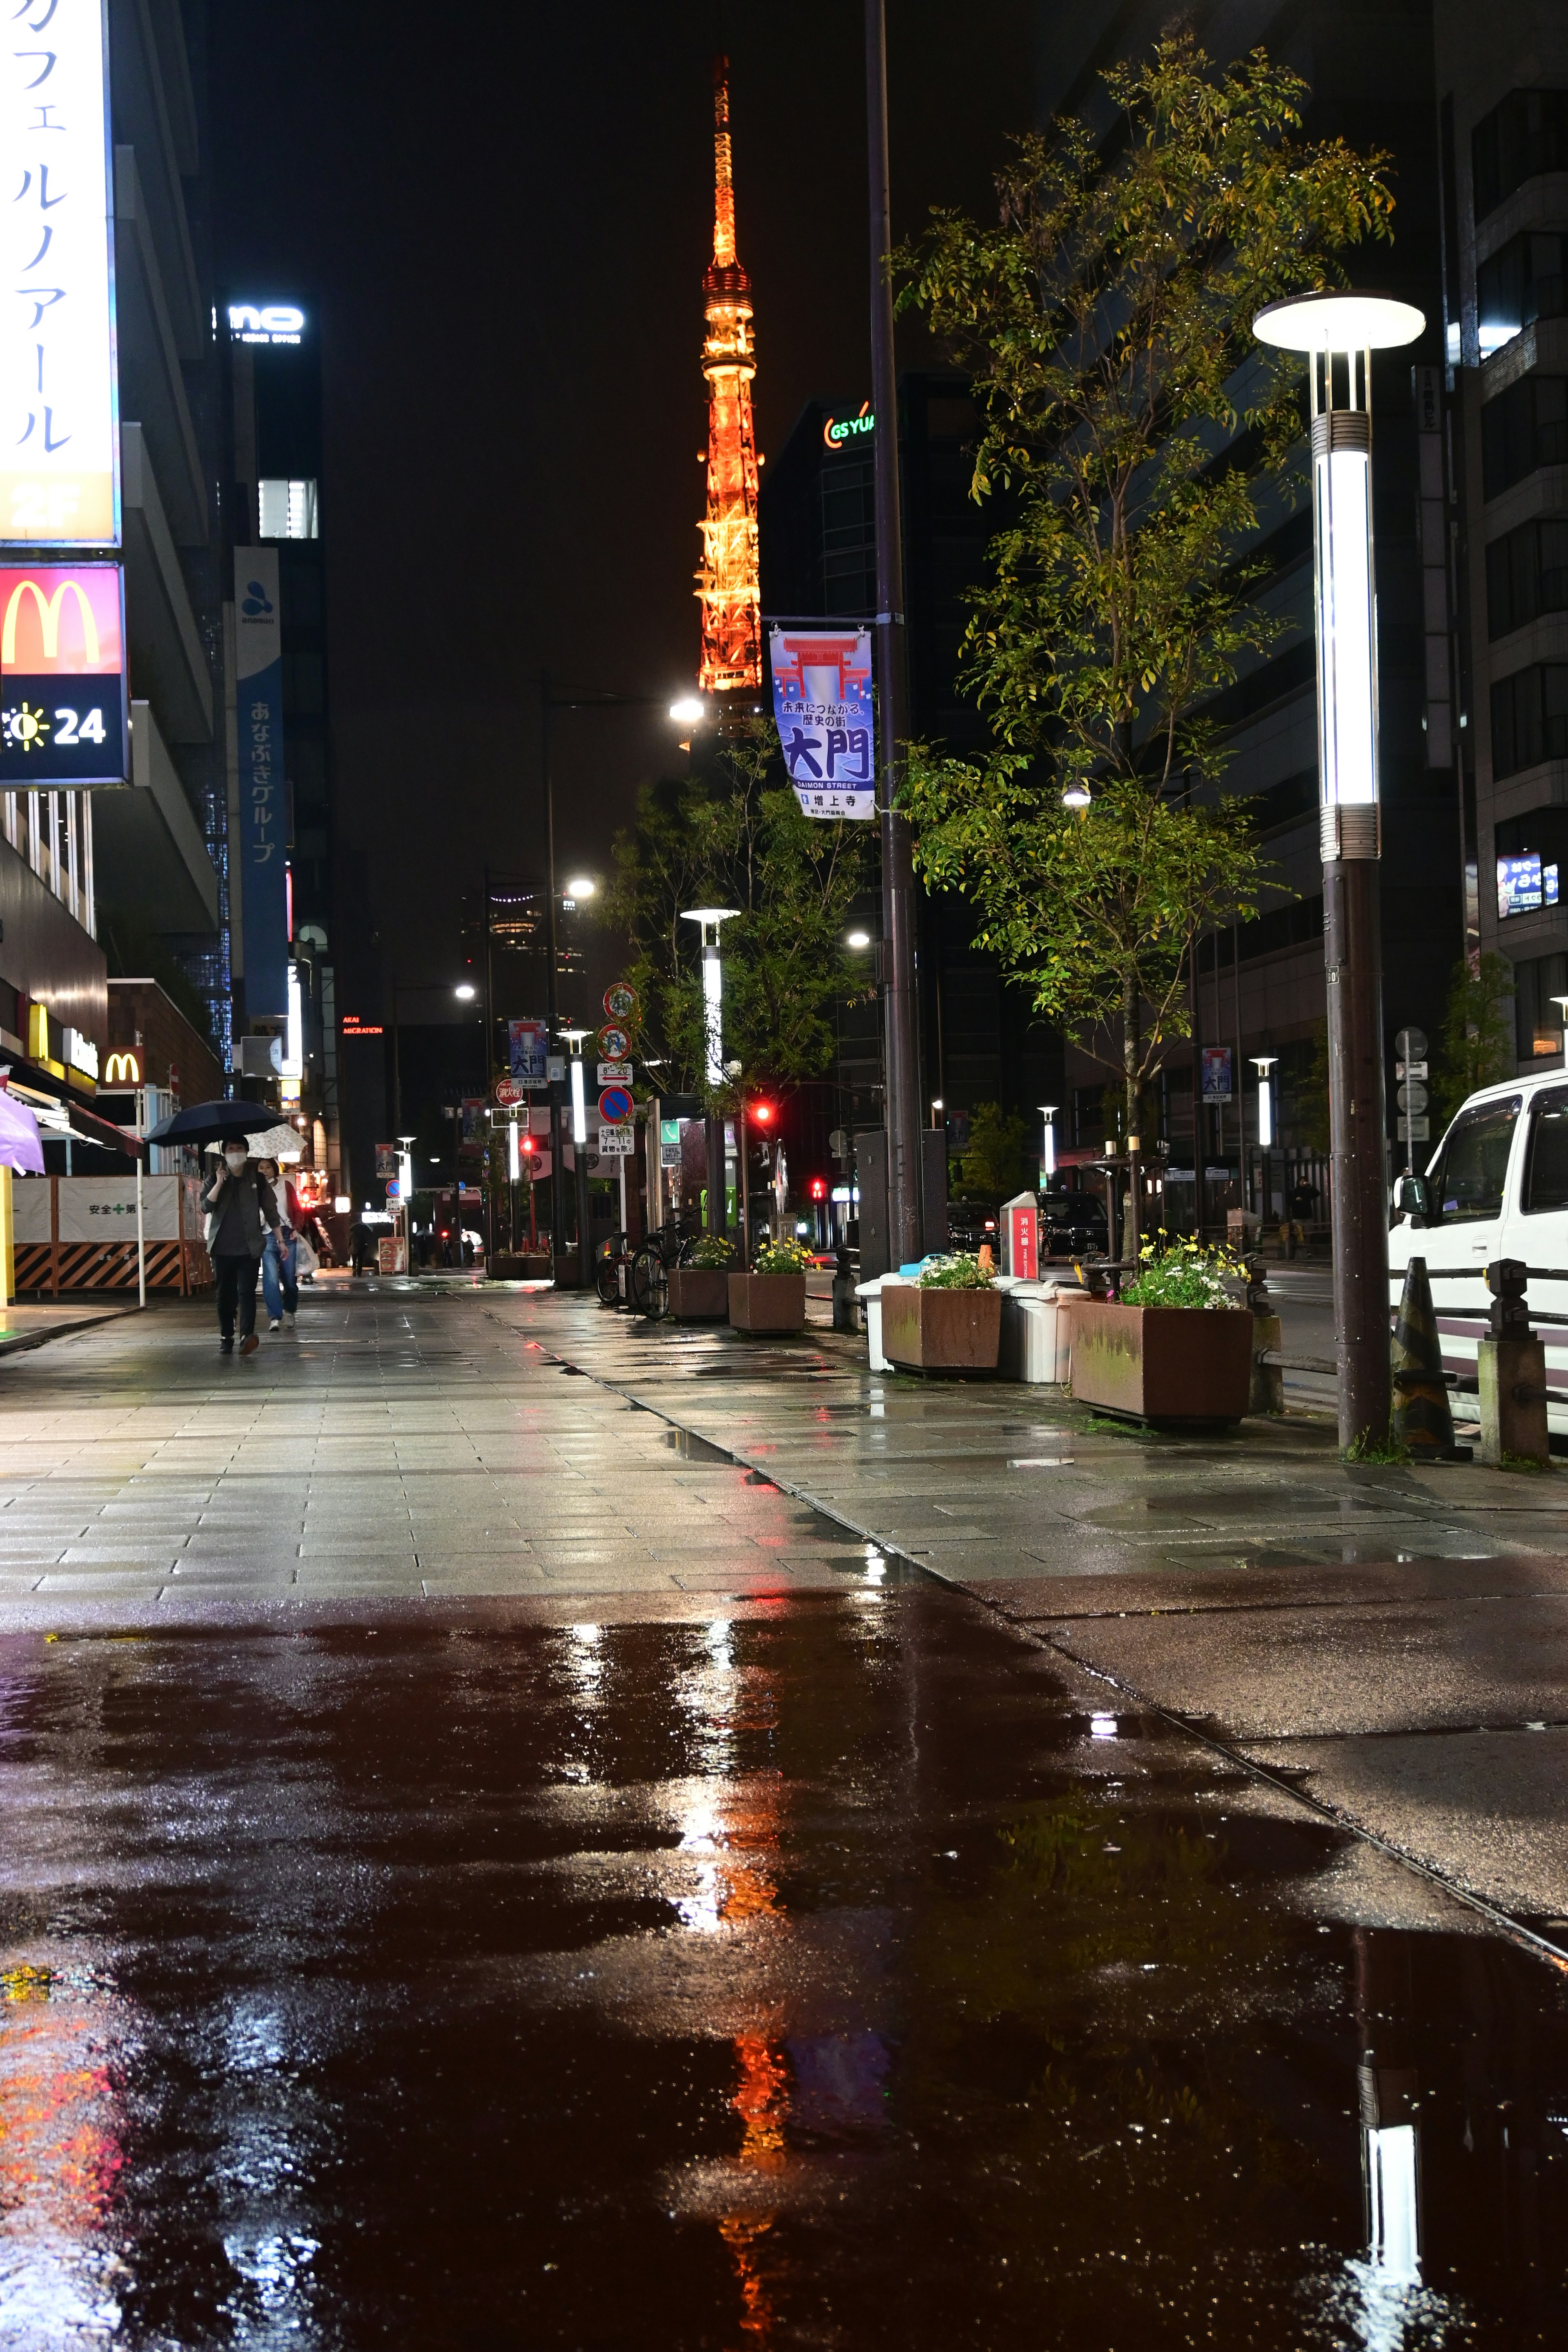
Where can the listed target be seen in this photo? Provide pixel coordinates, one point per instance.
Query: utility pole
(900, 1012)
(557, 1195)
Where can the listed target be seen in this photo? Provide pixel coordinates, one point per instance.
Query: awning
(62, 1119)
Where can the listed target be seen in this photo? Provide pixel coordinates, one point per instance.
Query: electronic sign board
(63, 718)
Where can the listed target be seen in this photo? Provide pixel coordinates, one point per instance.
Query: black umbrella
(204, 1121)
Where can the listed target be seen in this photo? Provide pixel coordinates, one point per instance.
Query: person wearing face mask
(238, 1201)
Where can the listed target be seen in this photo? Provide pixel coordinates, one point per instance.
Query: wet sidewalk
(1388, 1641)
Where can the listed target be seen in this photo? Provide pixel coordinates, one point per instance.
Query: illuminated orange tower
(727, 583)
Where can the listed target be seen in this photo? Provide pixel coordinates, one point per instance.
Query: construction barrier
(76, 1234)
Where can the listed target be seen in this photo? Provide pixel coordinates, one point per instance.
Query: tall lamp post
(713, 1070)
(900, 1010)
(1339, 333)
(578, 1076)
(1263, 1064)
(1048, 1145)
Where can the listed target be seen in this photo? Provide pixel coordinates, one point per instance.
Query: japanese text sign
(59, 428)
(527, 1052)
(62, 675)
(821, 704)
(263, 832)
(1216, 1073)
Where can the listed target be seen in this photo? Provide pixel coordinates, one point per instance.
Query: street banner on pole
(822, 706)
(1216, 1073)
(263, 815)
(528, 1052)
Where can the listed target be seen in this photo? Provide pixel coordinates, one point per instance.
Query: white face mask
(236, 1161)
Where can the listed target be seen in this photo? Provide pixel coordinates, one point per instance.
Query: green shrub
(1182, 1273)
(958, 1272)
(781, 1257)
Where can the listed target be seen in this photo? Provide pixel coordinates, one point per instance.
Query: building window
(1529, 717)
(1526, 135)
(1527, 575)
(287, 510)
(1521, 283)
(849, 536)
(1523, 428)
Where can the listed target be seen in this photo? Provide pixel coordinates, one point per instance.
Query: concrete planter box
(699, 1294)
(516, 1266)
(942, 1330)
(767, 1302)
(1166, 1364)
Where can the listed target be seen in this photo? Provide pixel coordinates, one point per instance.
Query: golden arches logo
(120, 1069)
(49, 608)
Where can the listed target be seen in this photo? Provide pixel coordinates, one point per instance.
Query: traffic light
(763, 1113)
(819, 1188)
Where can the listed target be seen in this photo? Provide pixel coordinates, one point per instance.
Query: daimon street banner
(821, 704)
(528, 1049)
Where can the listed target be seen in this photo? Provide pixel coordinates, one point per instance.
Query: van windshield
(1467, 1183)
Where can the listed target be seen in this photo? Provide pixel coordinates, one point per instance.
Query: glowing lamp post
(1048, 1144)
(713, 1072)
(573, 1039)
(1339, 333)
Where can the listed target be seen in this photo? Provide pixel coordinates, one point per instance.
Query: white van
(1496, 1187)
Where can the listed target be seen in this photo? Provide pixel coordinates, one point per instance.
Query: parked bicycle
(648, 1280)
(611, 1267)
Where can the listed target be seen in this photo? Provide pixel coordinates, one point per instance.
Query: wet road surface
(828, 1968)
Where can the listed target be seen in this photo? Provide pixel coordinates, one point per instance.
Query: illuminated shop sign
(1524, 885)
(59, 425)
(63, 719)
(838, 430)
(122, 1070)
(271, 322)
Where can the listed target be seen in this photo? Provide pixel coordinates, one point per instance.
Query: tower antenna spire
(727, 584)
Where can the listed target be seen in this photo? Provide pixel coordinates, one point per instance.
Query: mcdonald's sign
(122, 1070)
(63, 719)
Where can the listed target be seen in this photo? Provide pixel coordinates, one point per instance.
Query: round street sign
(1412, 1095)
(508, 1092)
(614, 1043)
(615, 1105)
(622, 1003)
(1410, 1044)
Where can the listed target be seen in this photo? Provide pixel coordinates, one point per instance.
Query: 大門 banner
(822, 704)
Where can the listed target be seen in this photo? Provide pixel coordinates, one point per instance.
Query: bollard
(1512, 1369)
(845, 1306)
(1421, 1418)
(1267, 1379)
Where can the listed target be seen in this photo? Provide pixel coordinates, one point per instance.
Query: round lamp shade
(1339, 323)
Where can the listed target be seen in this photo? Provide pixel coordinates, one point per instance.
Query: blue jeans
(278, 1282)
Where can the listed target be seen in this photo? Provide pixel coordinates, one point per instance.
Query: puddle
(835, 1971)
(692, 1448)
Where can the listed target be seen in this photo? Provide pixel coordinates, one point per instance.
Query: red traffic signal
(763, 1113)
(819, 1188)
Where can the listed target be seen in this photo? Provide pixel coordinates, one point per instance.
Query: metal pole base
(1353, 956)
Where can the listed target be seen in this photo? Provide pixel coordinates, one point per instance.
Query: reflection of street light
(1048, 1144)
(710, 918)
(1339, 333)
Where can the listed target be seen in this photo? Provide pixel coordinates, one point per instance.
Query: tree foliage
(993, 1164)
(1478, 1047)
(1139, 435)
(737, 838)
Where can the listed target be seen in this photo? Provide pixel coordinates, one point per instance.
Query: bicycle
(648, 1282)
(611, 1260)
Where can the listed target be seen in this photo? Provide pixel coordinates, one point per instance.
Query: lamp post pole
(900, 1017)
(710, 918)
(1339, 333)
(557, 1194)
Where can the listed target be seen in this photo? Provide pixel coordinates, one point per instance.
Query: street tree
(736, 837)
(1477, 1047)
(1134, 435)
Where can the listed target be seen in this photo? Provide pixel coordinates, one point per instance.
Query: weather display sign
(822, 704)
(62, 676)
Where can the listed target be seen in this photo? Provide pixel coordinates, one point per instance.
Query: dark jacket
(239, 1205)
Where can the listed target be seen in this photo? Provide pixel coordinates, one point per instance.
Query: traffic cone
(1421, 1419)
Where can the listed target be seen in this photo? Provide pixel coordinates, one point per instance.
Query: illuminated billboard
(266, 322)
(59, 422)
(62, 676)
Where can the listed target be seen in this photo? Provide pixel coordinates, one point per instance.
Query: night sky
(500, 216)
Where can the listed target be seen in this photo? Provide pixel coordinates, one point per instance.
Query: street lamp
(858, 940)
(1077, 796)
(464, 991)
(1263, 1064)
(710, 918)
(687, 710)
(583, 886)
(1048, 1144)
(1339, 333)
(573, 1039)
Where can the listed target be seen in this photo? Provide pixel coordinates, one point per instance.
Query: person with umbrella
(238, 1201)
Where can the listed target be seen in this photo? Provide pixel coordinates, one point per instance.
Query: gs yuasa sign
(62, 676)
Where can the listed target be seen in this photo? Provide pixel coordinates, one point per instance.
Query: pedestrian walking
(279, 1279)
(238, 1202)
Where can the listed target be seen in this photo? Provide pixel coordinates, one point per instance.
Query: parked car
(1071, 1224)
(1497, 1186)
(970, 1222)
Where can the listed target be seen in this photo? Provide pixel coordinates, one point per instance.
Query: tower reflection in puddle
(61, 2154)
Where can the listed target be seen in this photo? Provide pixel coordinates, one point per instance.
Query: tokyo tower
(727, 583)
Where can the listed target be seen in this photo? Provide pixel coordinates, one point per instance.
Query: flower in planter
(781, 1257)
(712, 1252)
(959, 1271)
(1183, 1274)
